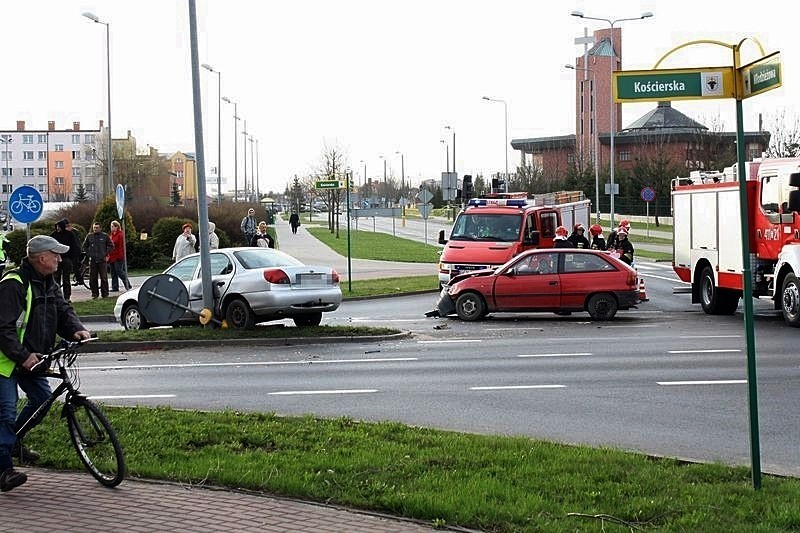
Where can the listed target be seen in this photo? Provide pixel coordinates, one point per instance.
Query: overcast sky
(371, 77)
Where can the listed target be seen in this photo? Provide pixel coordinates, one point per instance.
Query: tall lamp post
(612, 61)
(235, 147)
(505, 132)
(384, 179)
(219, 130)
(595, 160)
(402, 185)
(244, 147)
(110, 164)
(454, 148)
(364, 181)
(253, 184)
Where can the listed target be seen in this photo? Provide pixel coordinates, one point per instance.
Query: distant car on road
(250, 285)
(562, 280)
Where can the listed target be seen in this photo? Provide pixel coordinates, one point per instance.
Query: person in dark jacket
(598, 241)
(578, 237)
(560, 240)
(624, 247)
(31, 284)
(69, 260)
(97, 246)
(262, 238)
(294, 221)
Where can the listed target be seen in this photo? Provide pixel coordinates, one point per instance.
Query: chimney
(76, 126)
(20, 125)
(101, 124)
(51, 125)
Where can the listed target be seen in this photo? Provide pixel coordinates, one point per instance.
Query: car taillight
(276, 276)
(335, 276)
(632, 280)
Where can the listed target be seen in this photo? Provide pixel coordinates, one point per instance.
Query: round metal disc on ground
(163, 299)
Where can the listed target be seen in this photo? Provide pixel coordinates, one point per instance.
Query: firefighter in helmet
(598, 241)
(612, 237)
(578, 237)
(560, 240)
(624, 247)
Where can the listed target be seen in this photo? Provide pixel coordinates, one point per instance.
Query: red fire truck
(491, 230)
(708, 242)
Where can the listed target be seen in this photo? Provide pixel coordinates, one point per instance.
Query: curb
(144, 346)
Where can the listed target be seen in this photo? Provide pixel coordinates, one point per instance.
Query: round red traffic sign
(648, 194)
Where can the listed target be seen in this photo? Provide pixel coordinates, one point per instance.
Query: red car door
(531, 283)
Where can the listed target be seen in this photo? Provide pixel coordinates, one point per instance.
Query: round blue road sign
(648, 194)
(25, 204)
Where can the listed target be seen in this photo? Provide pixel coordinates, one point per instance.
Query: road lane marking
(452, 341)
(672, 280)
(517, 387)
(704, 382)
(555, 354)
(131, 397)
(721, 350)
(311, 392)
(253, 363)
(709, 336)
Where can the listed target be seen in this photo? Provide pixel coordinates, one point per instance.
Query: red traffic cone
(642, 293)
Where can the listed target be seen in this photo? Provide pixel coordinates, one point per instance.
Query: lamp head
(207, 67)
(578, 14)
(646, 15)
(91, 16)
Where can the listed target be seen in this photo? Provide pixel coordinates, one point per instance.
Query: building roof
(602, 48)
(664, 116)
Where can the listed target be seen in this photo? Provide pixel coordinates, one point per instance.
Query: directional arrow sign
(673, 84)
(329, 184)
(762, 75)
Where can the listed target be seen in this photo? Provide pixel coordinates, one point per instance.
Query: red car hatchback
(556, 279)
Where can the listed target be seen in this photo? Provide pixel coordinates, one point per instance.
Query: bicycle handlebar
(63, 347)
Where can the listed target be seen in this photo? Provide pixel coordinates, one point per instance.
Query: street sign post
(120, 194)
(25, 205)
(648, 194)
(761, 75)
(329, 184)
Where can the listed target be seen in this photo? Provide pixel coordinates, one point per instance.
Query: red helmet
(624, 223)
(596, 229)
(622, 230)
(561, 230)
(578, 226)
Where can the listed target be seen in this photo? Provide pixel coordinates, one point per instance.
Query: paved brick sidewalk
(74, 501)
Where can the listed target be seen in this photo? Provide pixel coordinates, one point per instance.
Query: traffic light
(498, 184)
(466, 185)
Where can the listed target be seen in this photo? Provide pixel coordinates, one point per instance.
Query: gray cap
(45, 243)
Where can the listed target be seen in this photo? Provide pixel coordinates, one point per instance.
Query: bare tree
(785, 138)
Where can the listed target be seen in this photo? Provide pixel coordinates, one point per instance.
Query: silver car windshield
(486, 227)
(265, 258)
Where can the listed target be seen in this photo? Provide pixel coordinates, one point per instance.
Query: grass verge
(266, 331)
(378, 246)
(491, 483)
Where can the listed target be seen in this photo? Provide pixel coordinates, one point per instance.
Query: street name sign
(329, 184)
(674, 84)
(761, 75)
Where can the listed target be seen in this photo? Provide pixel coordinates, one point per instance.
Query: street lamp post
(219, 130)
(235, 147)
(258, 175)
(454, 148)
(384, 181)
(110, 163)
(505, 132)
(612, 60)
(253, 185)
(364, 181)
(244, 147)
(595, 144)
(402, 185)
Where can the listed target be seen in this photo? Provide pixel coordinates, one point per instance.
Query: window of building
(42, 172)
(76, 138)
(27, 171)
(42, 138)
(27, 155)
(76, 154)
(42, 188)
(91, 187)
(624, 156)
(59, 180)
(754, 151)
(59, 147)
(76, 173)
(7, 189)
(6, 172)
(571, 158)
(41, 155)
(6, 156)
(88, 138)
(89, 172)
(59, 164)
(27, 139)
(90, 155)
(180, 174)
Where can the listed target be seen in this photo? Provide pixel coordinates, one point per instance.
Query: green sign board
(762, 75)
(673, 84)
(329, 184)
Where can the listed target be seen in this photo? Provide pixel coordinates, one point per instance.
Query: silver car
(250, 285)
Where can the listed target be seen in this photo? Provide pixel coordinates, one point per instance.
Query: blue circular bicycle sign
(25, 204)
(648, 194)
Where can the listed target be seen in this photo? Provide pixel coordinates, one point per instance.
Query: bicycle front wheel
(95, 441)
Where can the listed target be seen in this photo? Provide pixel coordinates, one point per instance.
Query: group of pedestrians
(255, 233)
(617, 241)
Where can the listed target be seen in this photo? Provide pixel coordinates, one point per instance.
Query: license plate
(311, 280)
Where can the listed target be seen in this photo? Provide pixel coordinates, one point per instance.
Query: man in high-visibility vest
(33, 311)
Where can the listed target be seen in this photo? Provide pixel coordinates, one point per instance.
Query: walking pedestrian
(66, 236)
(116, 259)
(213, 240)
(294, 221)
(97, 246)
(184, 244)
(263, 239)
(249, 226)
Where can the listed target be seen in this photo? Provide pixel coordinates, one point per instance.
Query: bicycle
(81, 275)
(89, 430)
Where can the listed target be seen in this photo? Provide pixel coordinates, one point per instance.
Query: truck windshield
(486, 227)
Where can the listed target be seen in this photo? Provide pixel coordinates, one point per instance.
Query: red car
(559, 280)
